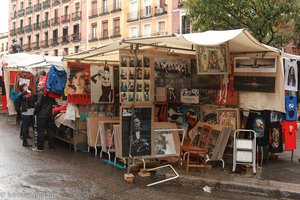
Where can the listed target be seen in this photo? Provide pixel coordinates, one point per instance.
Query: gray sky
(3, 16)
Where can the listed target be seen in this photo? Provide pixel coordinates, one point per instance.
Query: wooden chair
(198, 147)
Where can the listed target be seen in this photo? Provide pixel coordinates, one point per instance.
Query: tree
(272, 22)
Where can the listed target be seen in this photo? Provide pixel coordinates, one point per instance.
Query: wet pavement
(63, 174)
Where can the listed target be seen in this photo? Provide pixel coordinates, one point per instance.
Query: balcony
(132, 16)
(65, 18)
(37, 7)
(93, 13)
(104, 35)
(21, 13)
(21, 30)
(93, 37)
(55, 21)
(55, 2)
(46, 23)
(65, 1)
(13, 15)
(160, 11)
(29, 10)
(76, 37)
(65, 39)
(76, 16)
(54, 42)
(146, 13)
(36, 26)
(45, 43)
(28, 28)
(104, 11)
(116, 7)
(116, 32)
(46, 4)
(13, 32)
(35, 45)
(27, 47)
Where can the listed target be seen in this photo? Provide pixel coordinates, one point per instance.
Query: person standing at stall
(43, 112)
(27, 100)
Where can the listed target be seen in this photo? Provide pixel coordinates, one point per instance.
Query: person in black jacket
(43, 112)
(27, 100)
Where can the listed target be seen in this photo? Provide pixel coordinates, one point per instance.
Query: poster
(212, 59)
(290, 75)
(247, 64)
(189, 96)
(164, 143)
(254, 83)
(102, 84)
(229, 117)
(78, 85)
(173, 73)
(142, 129)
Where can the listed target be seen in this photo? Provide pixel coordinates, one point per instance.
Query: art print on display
(102, 81)
(248, 64)
(209, 113)
(78, 84)
(142, 129)
(254, 83)
(173, 73)
(290, 75)
(189, 96)
(229, 117)
(212, 59)
(164, 143)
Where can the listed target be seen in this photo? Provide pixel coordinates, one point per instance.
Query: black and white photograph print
(123, 86)
(248, 64)
(146, 61)
(124, 73)
(290, 75)
(102, 84)
(164, 143)
(131, 62)
(254, 83)
(123, 61)
(190, 96)
(147, 74)
(141, 131)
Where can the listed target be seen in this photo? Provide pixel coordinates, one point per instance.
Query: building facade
(56, 27)
(3, 44)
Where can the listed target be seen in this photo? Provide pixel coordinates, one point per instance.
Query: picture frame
(190, 96)
(209, 113)
(266, 64)
(142, 135)
(229, 117)
(254, 83)
(212, 59)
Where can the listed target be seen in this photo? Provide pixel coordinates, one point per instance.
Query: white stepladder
(244, 150)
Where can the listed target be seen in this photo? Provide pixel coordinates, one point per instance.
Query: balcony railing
(28, 10)
(37, 7)
(35, 45)
(55, 2)
(116, 6)
(55, 21)
(65, 18)
(21, 30)
(116, 32)
(28, 28)
(160, 11)
(54, 42)
(65, 39)
(46, 23)
(27, 47)
(36, 26)
(93, 37)
(13, 14)
(93, 13)
(13, 32)
(104, 11)
(45, 43)
(76, 37)
(133, 16)
(146, 13)
(104, 35)
(76, 16)
(21, 13)
(46, 4)
(65, 1)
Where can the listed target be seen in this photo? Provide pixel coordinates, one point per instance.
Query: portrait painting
(290, 75)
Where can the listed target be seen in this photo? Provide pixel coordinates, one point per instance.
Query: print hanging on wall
(102, 84)
(212, 59)
(254, 83)
(78, 84)
(190, 96)
(247, 64)
(290, 75)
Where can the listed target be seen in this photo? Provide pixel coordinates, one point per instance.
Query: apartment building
(112, 20)
(49, 27)
(3, 43)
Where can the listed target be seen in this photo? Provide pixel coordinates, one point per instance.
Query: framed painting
(229, 117)
(212, 59)
(248, 64)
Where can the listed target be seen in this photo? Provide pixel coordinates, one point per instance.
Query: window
(185, 25)
(105, 29)
(104, 6)
(133, 10)
(46, 37)
(66, 51)
(29, 21)
(14, 25)
(65, 34)
(147, 8)
(147, 30)
(76, 29)
(46, 16)
(76, 49)
(56, 52)
(56, 13)
(37, 39)
(116, 4)
(77, 7)
(66, 10)
(94, 8)
(21, 41)
(21, 5)
(37, 19)
(94, 31)
(6, 46)
(21, 23)
(161, 28)
(29, 2)
(133, 32)
(28, 40)
(117, 26)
